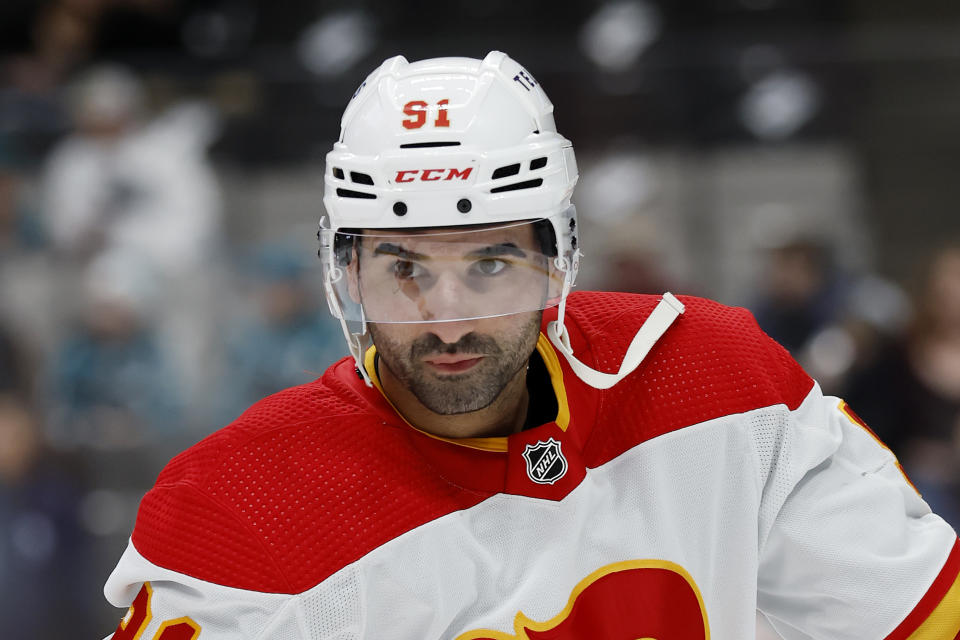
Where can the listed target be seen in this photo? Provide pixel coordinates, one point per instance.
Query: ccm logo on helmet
(431, 175)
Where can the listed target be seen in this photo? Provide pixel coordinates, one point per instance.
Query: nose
(451, 332)
(447, 299)
(450, 306)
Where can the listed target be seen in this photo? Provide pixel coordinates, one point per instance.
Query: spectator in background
(44, 550)
(20, 226)
(803, 292)
(112, 385)
(84, 195)
(125, 181)
(48, 40)
(910, 394)
(832, 320)
(289, 340)
(27, 276)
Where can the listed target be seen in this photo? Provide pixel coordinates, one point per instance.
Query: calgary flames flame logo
(632, 600)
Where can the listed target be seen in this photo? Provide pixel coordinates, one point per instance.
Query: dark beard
(466, 392)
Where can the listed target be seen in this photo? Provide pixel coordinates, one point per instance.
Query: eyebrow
(502, 249)
(391, 249)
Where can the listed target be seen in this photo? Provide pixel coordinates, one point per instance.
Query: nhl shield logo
(545, 461)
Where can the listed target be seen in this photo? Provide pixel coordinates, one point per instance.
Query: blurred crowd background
(161, 168)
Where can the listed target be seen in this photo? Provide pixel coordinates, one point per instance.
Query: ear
(555, 279)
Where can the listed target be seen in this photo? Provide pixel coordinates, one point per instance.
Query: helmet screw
(464, 205)
(400, 208)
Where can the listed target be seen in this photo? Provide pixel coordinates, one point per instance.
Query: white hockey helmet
(442, 143)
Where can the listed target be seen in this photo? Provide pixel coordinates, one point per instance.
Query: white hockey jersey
(713, 481)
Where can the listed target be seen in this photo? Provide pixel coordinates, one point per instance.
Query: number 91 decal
(138, 617)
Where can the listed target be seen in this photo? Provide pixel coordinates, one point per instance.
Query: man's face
(430, 299)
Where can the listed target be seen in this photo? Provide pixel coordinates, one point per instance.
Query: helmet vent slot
(428, 145)
(348, 193)
(338, 173)
(509, 170)
(516, 186)
(538, 163)
(361, 178)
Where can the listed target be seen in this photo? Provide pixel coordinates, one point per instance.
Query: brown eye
(407, 270)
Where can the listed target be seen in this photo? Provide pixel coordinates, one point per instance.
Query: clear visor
(442, 276)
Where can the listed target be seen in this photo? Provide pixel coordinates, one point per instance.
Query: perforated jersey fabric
(717, 474)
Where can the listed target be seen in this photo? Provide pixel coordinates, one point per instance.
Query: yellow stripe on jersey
(552, 362)
(944, 622)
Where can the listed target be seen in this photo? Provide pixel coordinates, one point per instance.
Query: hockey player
(502, 459)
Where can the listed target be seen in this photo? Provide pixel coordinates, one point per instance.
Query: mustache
(430, 344)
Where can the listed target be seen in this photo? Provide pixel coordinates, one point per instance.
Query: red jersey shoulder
(713, 361)
(318, 404)
(301, 485)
